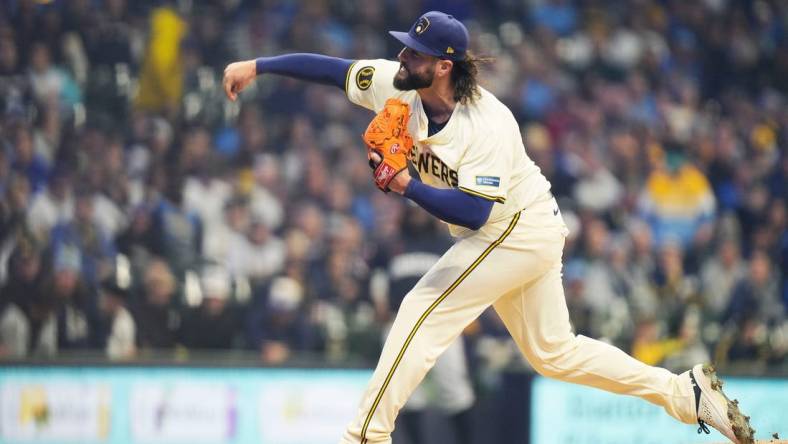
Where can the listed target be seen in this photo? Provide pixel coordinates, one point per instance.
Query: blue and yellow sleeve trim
(347, 76)
(482, 195)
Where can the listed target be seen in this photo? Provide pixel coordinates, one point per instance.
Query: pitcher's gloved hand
(388, 142)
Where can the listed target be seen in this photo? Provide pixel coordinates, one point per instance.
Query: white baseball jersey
(512, 263)
(480, 150)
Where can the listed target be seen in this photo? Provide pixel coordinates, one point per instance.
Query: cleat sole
(740, 423)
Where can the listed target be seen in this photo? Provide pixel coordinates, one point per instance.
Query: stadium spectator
(213, 325)
(206, 194)
(676, 290)
(221, 236)
(756, 296)
(176, 234)
(258, 255)
(677, 201)
(155, 314)
(82, 233)
(13, 213)
(14, 86)
(642, 267)
(50, 84)
(265, 196)
(16, 296)
(651, 343)
(693, 349)
(52, 206)
(718, 276)
(346, 311)
(161, 75)
(118, 328)
(26, 161)
(74, 301)
(278, 327)
(604, 286)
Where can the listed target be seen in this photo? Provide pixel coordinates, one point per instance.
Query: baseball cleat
(714, 409)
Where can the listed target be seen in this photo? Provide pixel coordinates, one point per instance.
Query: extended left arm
(316, 68)
(310, 67)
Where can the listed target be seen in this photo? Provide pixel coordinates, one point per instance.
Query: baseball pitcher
(474, 174)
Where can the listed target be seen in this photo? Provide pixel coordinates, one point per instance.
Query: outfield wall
(173, 405)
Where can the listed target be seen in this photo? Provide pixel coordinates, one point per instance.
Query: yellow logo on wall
(33, 406)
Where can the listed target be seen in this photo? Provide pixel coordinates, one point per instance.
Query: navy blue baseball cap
(437, 34)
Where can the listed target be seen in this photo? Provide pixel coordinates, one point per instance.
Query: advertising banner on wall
(161, 405)
(64, 410)
(563, 413)
(308, 412)
(182, 412)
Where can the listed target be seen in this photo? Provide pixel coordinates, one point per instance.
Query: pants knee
(550, 361)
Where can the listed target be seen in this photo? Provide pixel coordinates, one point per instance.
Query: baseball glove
(387, 136)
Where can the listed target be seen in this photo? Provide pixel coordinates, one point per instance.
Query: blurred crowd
(141, 210)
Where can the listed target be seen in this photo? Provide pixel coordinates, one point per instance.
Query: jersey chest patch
(428, 164)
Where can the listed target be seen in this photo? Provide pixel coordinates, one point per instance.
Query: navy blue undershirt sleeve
(450, 205)
(310, 67)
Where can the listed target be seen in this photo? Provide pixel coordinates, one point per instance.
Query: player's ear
(444, 67)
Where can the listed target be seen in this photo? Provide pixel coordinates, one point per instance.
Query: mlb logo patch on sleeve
(490, 181)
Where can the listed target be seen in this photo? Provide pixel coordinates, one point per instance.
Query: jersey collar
(442, 137)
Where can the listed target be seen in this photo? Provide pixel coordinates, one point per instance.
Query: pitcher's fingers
(228, 89)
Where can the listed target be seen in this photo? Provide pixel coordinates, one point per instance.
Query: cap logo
(421, 25)
(449, 50)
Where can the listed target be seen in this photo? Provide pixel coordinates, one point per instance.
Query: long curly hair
(464, 76)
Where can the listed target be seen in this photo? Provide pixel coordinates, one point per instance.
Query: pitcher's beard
(411, 81)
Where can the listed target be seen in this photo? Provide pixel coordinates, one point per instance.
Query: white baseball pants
(514, 265)
(452, 391)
